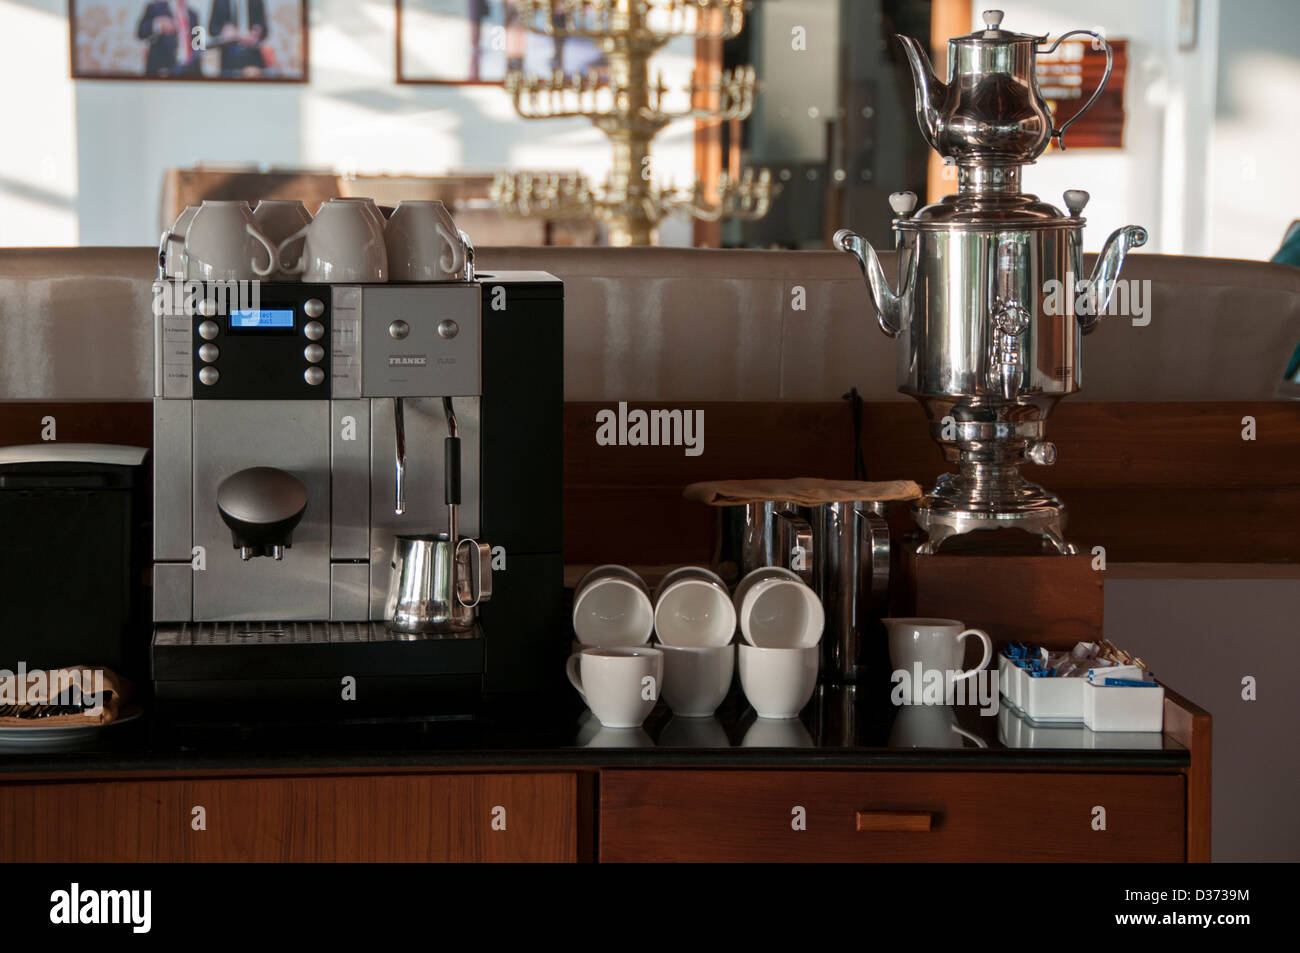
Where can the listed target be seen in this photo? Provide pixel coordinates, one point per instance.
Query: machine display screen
(247, 320)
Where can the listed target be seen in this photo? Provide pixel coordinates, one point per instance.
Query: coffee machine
(308, 445)
(989, 310)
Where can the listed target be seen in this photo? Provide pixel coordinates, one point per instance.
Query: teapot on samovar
(989, 309)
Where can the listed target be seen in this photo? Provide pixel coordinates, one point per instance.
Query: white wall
(83, 162)
(1210, 136)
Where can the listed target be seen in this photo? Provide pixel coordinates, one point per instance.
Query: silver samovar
(990, 311)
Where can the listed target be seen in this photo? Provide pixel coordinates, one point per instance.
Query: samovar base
(945, 512)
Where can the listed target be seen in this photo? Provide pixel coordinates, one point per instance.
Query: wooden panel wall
(1173, 482)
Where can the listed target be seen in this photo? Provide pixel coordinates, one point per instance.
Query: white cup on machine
(612, 606)
(278, 219)
(925, 646)
(620, 684)
(223, 243)
(343, 243)
(423, 243)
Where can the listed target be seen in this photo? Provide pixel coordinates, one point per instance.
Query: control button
(313, 375)
(208, 330)
(313, 352)
(209, 376)
(448, 329)
(209, 353)
(314, 307)
(207, 307)
(314, 330)
(398, 330)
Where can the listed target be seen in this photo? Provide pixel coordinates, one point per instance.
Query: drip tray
(342, 666)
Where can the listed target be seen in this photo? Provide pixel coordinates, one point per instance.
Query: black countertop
(837, 729)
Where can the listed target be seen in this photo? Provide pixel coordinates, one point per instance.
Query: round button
(448, 329)
(209, 353)
(398, 330)
(314, 330)
(209, 376)
(208, 330)
(207, 307)
(313, 376)
(314, 307)
(313, 352)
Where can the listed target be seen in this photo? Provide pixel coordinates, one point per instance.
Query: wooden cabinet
(416, 817)
(852, 815)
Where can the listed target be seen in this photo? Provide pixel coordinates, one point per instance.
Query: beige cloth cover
(805, 491)
(116, 689)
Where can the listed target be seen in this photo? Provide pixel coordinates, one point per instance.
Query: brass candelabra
(630, 109)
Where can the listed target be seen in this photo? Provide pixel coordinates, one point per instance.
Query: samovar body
(992, 302)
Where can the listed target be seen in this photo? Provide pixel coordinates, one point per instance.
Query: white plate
(54, 737)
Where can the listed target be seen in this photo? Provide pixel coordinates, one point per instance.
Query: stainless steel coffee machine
(989, 310)
(326, 462)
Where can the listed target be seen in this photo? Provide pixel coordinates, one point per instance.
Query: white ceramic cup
(694, 609)
(778, 610)
(612, 606)
(696, 680)
(778, 682)
(343, 243)
(933, 645)
(223, 243)
(278, 219)
(424, 243)
(619, 684)
(173, 240)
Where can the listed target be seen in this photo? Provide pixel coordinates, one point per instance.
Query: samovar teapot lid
(994, 34)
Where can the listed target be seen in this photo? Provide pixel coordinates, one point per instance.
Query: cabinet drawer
(687, 815)
(439, 817)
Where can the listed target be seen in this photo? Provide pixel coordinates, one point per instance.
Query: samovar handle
(1059, 134)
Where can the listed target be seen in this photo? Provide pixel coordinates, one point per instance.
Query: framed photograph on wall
(262, 41)
(476, 42)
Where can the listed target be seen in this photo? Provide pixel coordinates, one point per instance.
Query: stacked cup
(781, 620)
(620, 675)
(615, 671)
(695, 621)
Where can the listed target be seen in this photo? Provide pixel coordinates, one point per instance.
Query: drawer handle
(908, 821)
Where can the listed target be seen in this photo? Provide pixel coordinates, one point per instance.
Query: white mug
(174, 265)
(696, 680)
(344, 243)
(424, 243)
(223, 243)
(278, 219)
(778, 610)
(619, 684)
(929, 645)
(778, 682)
(612, 606)
(693, 609)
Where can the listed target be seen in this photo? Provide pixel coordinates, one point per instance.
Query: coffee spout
(930, 90)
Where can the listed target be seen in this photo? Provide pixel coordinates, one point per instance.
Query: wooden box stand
(1050, 600)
